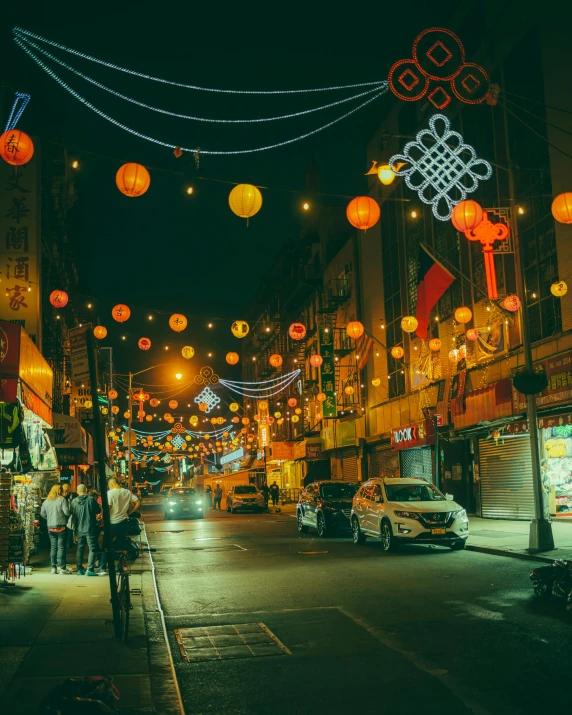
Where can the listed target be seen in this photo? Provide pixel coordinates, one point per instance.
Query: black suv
(326, 506)
(183, 501)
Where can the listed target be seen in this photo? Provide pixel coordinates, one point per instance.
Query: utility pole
(130, 425)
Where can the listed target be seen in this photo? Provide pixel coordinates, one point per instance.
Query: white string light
(20, 103)
(140, 135)
(19, 31)
(268, 389)
(190, 116)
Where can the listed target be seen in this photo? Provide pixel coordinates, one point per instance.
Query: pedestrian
(274, 493)
(265, 492)
(208, 497)
(121, 503)
(217, 497)
(85, 510)
(55, 511)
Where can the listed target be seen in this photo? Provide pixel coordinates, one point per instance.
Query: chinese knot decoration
(487, 233)
(438, 68)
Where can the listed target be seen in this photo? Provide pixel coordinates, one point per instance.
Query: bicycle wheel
(124, 594)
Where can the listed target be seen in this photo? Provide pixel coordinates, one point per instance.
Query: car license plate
(438, 531)
(186, 508)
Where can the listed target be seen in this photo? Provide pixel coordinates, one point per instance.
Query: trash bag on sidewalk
(93, 694)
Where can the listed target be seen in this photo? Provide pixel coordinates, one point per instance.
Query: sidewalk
(57, 627)
(510, 538)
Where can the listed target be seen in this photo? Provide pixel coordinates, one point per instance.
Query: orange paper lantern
(59, 298)
(100, 332)
(397, 352)
(245, 421)
(467, 215)
(232, 358)
(178, 322)
(292, 402)
(120, 313)
(154, 402)
(144, 343)
(511, 303)
(173, 404)
(434, 344)
(316, 360)
(355, 329)
(132, 179)
(16, 147)
(349, 390)
(463, 315)
(562, 207)
(321, 397)
(275, 360)
(297, 331)
(112, 394)
(472, 334)
(363, 212)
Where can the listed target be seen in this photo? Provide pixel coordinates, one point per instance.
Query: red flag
(433, 281)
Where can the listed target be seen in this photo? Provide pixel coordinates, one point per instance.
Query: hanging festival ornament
(232, 358)
(120, 313)
(245, 200)
(297, 331)
(559, 289)
(454, 355)
(275, 360)
(316, 360)
(104, 411)
(355, 329)
(463, 315)
(376, 382)
(487, 233)
(321, 397)
(178, 322)
(193, 420)
(59, 298)
(363, 212)
(115, 410)
(112, 394)
(349, 390)
(132, 179)
(397, 352)
(149, 418)
(236, 420)
(385, 175)
(467, 215)
(511, 303)
(292, 402)
(239, 328)
(245, 421)
(16, 147)
(100, 332)
(409, 324)
(127, 414)
(298, 410)
(472, 334)
(188, 352)
(562, 208)
(234, 407)
(88, 404)
(154, 402)
(203, 407)
(173, 404)
(277, 415)
(144, 343)
(435, 344)
(167, 416)
(295, 418)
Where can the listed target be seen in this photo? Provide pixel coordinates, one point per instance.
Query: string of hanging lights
(260, 390)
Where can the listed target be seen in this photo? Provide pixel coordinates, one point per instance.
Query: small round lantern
(188, 352)
(275, 360)
(234, 407)
(236, 420)
(154, 402)
(435, 344)
(316, 360)
(321, 397)
(376, 382)
(240, 328)
(298, 411)
(292, 402)
(562, 207)
(385, 175)
(132, 179)
(173, 404)
(245, 421)
(120, 313)
(463, 315)
(472, 334)
(467, 215)
(559, 289)
(16, 147)
(409, 324)
(178, 322)
(59, 298)
(511, 303)
(355, 329)
(363, 212)
(349, 390)
(297, 331)
(278, 415)
(112, 394)
(127, 414)
(100, 332)
(397, 352)
(167, 416)
(115, 410)
(245, 200)
(232, 358)
(149, 418)
(144, 343)
(203, 407)
(295, 418)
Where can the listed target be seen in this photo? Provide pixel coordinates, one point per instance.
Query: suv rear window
(245, 490)
(413, 492)
(339, 491)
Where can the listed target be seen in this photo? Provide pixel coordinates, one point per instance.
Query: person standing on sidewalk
(265, 493)
(55, 511)
(217, 497)
(274, 493)
(121, 503)
(85, 509)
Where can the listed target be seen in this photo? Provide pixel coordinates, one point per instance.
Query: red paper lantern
(292, 402)
(59, 298)
(144, 343)
(472, 334)
(467, 215)
(355, 329)
(16, 147)
(297, 331)
(363, 212)
(232, 358)
(316, 360)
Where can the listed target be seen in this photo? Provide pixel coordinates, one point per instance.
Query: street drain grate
(312, 553)
(243, 640)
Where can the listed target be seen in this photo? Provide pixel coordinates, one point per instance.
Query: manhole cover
(312, 553)
(243, 640)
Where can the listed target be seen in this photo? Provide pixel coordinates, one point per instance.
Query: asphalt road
(421, 630)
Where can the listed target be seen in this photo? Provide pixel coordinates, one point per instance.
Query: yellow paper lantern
(434, 344)
(355, 329)
(385, 175)
(463, 315)
(277, 415)
(409, 324)
(376, 382)
(245, 200)
(188, 352)
(295, 418)
(559, 289)
(240, 328)
(178, 322)
(397, 352)
(349, 390)
(89, 404)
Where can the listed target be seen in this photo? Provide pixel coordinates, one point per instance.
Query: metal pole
(437, 466)
(540, 537)
(99, 443)
(130, 427)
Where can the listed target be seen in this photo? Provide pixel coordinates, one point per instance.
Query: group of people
(68, 514)
(214, 497)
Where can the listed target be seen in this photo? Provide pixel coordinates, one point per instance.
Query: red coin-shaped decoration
(59, 298)
(144, 343)
(16, 147)
(363, 212)
(467, 215)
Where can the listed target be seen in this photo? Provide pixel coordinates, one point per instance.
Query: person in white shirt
(121, 503)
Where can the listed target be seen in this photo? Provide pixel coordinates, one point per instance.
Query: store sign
(313, 450)
(263, 425)
(78, 356)
(559, 373)
(299, 450)
(281, 451)
(232, 456)
(418, 434)
(34, 370)
(68, 433)
(20, 247)
(328, 373)
(543, 423)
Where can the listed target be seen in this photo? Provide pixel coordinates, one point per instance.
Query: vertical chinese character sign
(328, 373)
(19, 247)
(263, 426)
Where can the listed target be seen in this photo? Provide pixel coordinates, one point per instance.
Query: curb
(509, 554)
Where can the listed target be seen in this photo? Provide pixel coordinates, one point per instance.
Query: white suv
(407, 510)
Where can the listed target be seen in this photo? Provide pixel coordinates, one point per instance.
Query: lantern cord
(536, 101)
(538, 134)
(84, 101)
(20, 103)
(19, 31)
(191, 117)
(536, 116)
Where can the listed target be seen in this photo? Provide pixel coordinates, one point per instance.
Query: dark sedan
(183, 501)
(326, 506)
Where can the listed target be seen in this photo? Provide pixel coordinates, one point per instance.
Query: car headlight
(199, 501)
(172, 503)
(461, 514)
(407, 514)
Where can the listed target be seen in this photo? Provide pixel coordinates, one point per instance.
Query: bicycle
(123, 590)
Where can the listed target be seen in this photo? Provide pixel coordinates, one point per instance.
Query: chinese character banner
(328, 373)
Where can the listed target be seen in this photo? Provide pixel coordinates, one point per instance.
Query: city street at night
(364, 631)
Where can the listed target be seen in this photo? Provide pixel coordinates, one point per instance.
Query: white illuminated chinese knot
(437, 170)
(209, 398)
(177, 441)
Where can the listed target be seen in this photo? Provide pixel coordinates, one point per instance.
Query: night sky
(166, 251)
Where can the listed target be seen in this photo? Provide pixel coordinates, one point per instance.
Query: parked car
(326, 506)
(407, 510)
(183, 501)
(244, 496)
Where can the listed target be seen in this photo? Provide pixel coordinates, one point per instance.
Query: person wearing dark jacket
(274, 493)
(85, 509)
